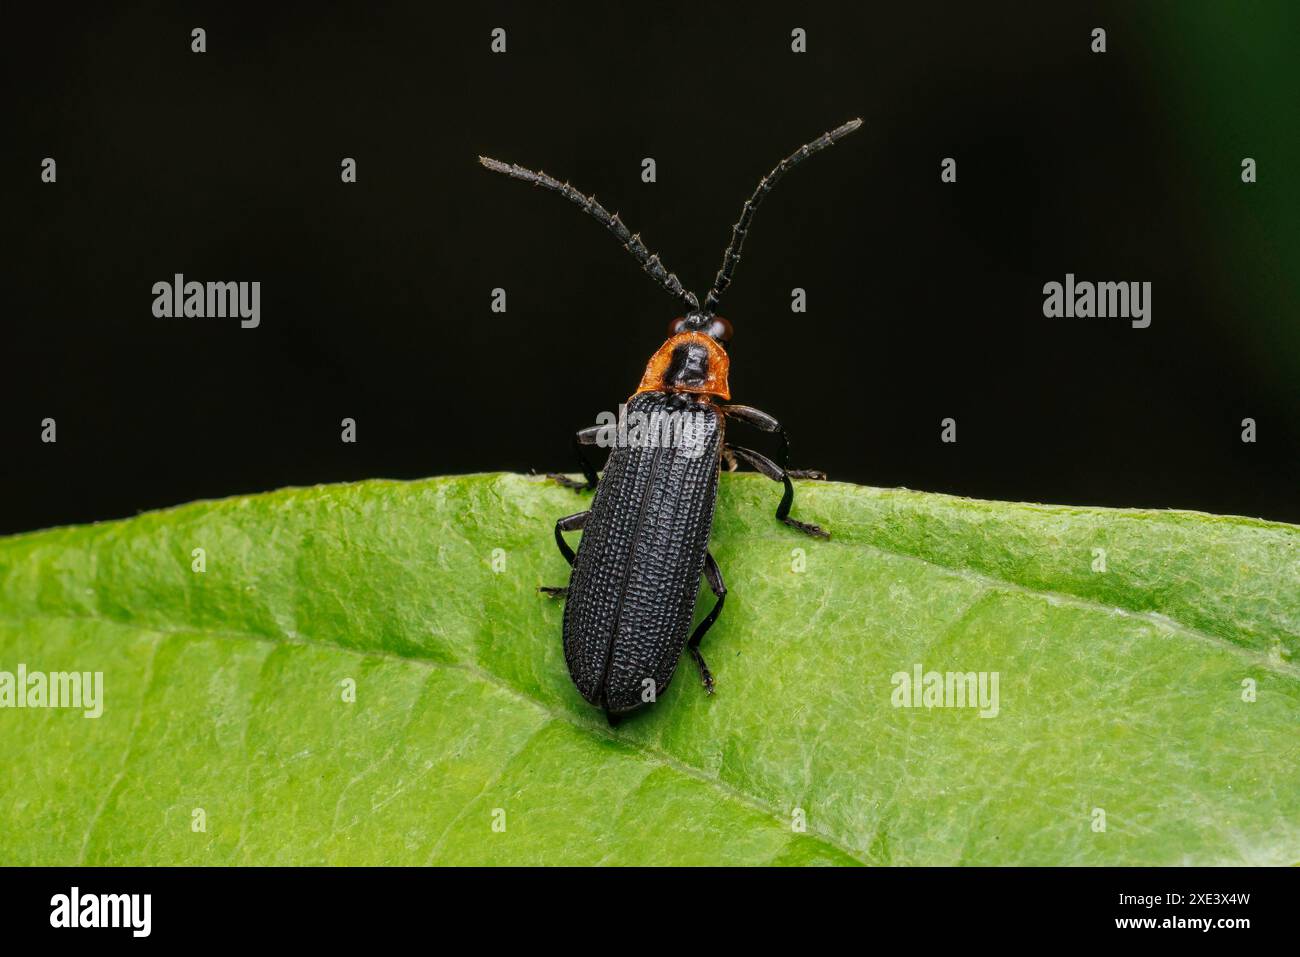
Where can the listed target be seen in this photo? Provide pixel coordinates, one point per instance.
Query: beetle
(636, 574)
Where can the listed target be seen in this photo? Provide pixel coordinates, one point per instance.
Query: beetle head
(706, 322)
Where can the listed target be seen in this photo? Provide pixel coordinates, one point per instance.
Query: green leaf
(1125, 690)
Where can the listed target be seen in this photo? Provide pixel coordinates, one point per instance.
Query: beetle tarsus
(706, 676)
(816, 531)
(815, 474)
(554, 591)
(575, 484)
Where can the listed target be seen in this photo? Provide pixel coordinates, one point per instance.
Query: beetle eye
(713, 326)
(720, 329)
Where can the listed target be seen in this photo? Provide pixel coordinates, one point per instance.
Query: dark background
(925, 298)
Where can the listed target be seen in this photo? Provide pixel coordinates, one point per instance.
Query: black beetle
(636, 576)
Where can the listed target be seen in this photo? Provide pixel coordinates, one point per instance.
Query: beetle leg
(778, 474)
(570, 523)
(581, 439)
(713, 574)
(767, 423)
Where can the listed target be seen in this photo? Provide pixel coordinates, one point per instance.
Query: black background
(925, 298)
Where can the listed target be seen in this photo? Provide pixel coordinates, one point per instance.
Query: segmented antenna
(631, 241)
(732, 255)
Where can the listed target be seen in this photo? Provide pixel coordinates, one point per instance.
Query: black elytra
(636, 574)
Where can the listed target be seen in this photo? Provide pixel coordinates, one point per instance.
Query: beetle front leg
(777, 474)
(582, 439)
(570, 523)
(712, 574)
(767, 423)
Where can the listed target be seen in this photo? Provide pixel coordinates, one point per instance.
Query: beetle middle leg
(570, 523)
(582, 440)
(777, 474)
(712, 574)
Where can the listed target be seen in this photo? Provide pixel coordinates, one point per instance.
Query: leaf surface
(1123, 691)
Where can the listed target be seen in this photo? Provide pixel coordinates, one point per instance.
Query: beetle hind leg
(713, 575)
